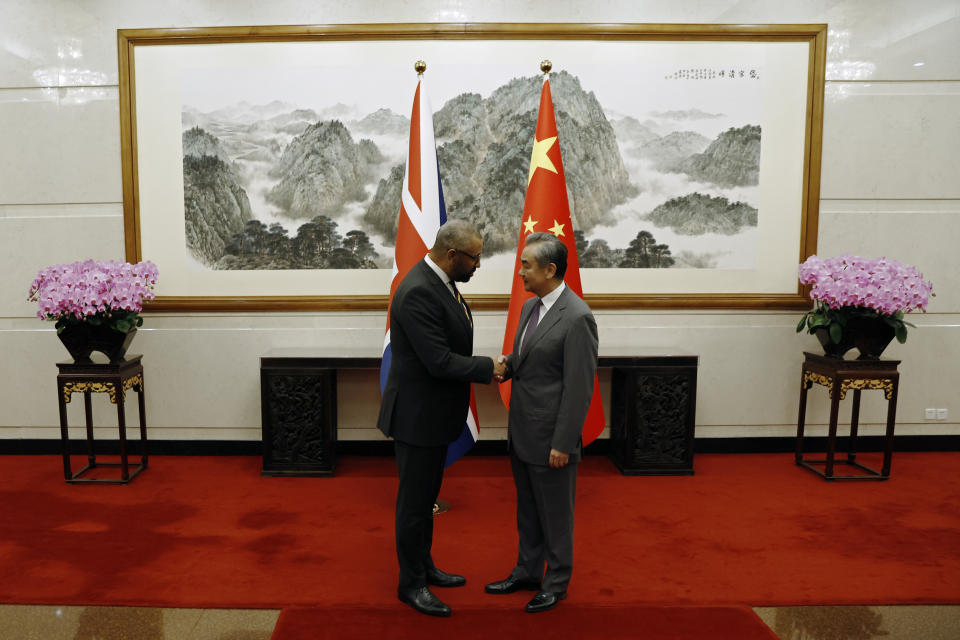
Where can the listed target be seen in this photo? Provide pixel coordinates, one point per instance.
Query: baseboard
(815, 444)
(46, 446)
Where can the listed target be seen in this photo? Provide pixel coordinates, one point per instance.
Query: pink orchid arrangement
(848, 286)
(97, 292)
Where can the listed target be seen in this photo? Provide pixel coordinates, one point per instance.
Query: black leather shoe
(443, 579)
(424, 601)
(512, 584)
(545, 600)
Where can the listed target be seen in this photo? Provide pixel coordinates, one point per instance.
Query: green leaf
(123, 326)
(818, 321)
(901, 334)
(803, 322)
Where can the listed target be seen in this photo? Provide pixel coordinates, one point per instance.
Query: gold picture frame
(793, 56)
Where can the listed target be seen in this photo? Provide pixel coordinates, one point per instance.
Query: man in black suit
(426, 398)
(553, 365)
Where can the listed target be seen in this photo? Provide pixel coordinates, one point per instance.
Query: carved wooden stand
(298, 403)
(653, 408)
(114, 379)
(840, 376)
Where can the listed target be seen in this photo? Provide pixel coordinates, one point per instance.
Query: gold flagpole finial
(419, 66)
(545, 66)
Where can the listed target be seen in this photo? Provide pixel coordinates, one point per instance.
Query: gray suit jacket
(552, 380)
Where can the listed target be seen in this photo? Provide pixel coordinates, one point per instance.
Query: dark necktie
(531, 325)
(463, 303)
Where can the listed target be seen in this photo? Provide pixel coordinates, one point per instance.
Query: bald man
(427, 396)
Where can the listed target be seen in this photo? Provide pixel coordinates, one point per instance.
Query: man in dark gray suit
(553, 365)
(426, 398)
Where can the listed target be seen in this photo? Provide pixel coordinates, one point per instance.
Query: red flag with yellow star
(546, 208)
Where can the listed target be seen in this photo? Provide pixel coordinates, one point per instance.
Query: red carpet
(747, 530)
(563, 623)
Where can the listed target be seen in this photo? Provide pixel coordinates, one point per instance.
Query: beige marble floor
(863, 623)
(25, 622)
(22, 622)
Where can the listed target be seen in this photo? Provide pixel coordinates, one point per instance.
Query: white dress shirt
(547, 301)
(440, 274)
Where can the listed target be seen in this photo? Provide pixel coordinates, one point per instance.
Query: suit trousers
(545, 500)
(421, 472)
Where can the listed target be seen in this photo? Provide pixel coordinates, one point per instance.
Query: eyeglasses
(475, 258)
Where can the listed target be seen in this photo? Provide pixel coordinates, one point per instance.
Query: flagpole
(440, 505)
(546, 201)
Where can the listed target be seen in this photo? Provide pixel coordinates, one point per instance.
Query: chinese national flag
(546, 209)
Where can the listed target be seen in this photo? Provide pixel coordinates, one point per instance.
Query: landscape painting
(668, 179)
(263, 170)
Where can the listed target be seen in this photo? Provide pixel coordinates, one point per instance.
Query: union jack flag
(421, 213)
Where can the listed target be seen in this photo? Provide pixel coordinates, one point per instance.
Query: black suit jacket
(427, 394)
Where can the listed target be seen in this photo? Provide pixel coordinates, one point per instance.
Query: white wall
(890, 186)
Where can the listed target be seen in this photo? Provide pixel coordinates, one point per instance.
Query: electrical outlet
(929, 414)
(941, 414)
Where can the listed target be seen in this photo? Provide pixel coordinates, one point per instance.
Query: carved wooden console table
(114, 379)
(840, 376)
(653, 407)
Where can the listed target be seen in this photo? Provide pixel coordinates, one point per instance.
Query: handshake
(500, 368)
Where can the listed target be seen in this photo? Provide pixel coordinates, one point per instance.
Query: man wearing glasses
(426, 398)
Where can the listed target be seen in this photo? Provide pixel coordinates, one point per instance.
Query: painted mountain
(732, 160)
(216, 207)
(280, 185)
(484, 156)
(321, 170)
